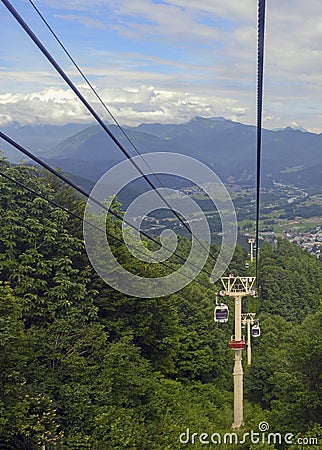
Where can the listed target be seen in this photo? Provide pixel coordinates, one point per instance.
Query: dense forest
(85, 367)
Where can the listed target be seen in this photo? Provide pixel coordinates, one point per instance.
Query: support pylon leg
(249, 344)
(238, 369)
(238, 391)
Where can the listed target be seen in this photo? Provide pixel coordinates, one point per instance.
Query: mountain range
(229, 148)
(40, 139)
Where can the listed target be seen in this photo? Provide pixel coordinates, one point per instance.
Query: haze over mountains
(289, 156)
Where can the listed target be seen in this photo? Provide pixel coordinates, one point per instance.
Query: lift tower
(251, 241)
(238, 287)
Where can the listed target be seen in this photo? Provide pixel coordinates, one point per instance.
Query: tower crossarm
(238, 286)
(248, 317)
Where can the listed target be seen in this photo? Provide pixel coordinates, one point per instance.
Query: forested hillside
(85, 367)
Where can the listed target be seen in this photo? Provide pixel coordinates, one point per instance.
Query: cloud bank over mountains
(131, 106)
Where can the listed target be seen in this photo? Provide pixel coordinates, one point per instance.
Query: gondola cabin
(256, 332)
(237, 345)
(221, 313)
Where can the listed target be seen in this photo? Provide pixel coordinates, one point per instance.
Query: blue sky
(165, 61)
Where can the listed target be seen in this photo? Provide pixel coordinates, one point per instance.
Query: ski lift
(221, 312)
(256, 332)
(246, 265)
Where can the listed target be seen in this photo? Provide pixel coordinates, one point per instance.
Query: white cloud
(88, 22)
(131, 106)
(210, 69)
(27, 79)
(48, 106)
(77, 5)
(162, 21)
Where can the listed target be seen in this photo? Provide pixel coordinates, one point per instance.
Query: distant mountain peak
(303, 130)
(289, 128)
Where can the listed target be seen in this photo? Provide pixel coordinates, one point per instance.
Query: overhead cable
(260, 81)
(65, 77)
(90, 197)
(71, 213)
(89, 84)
